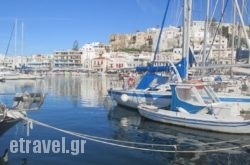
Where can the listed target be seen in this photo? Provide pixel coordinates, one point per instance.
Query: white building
(67, 58)
(117, 60)
(91, 51)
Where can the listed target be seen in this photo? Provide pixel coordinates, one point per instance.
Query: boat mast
(22, 37)
(243, 26)
(186, 35)
(220, 31)
(205, 38)
(233, 36)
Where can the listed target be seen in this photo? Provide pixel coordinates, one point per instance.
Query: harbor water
(76, 109)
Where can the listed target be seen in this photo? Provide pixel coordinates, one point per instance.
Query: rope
(114, 142)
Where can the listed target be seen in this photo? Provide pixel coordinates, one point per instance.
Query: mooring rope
(114, 142)
(139, 148)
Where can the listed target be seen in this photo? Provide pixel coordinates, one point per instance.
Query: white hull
(11, 77)
(132, 98)
(198, 121)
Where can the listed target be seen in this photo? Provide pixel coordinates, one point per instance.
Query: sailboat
(195, 105)
(9, 73)
(153, 88)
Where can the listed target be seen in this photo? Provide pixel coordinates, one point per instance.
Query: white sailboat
(152, 89)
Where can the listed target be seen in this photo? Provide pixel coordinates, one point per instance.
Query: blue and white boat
(160, 94)
(149, 89)
(152, 88)
(189, 108)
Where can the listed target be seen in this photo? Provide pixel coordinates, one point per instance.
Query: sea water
(78, 117)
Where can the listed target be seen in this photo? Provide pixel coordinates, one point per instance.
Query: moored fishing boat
(189, 108)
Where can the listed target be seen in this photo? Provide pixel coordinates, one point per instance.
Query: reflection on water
(76, 103)
(124, 118)
(90, 89)
(9, 88)
(199, 145)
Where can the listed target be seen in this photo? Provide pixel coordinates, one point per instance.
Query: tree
(75, 45)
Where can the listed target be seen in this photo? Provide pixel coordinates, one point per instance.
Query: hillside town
(136, 49)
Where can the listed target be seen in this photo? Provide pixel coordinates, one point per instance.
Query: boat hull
(7, 123)
(132, 98)
(202, 122)
(163, 98)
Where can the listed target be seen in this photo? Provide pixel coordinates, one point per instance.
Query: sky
(50, 25)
